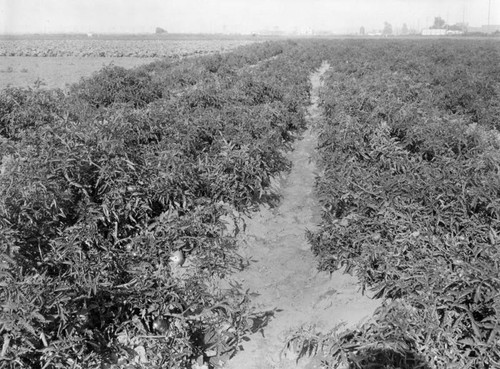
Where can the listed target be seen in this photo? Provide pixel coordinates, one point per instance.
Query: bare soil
(56, 72)
(24, 69)
(284, 271)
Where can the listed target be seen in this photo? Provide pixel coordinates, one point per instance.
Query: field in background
(56, 72)
(58, 60)
(145, 48)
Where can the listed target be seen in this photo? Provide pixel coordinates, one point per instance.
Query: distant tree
(404, 30)
(439, 23)
(387, 29)
(362, 31)
(160, 30)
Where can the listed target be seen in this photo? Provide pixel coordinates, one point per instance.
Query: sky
(235, 16)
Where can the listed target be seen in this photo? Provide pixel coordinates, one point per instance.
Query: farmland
(56, 72)
(116, 46)
(102, 182)
(56, 61)
(410, 195)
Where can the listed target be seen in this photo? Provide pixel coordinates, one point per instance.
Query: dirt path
(284, 273)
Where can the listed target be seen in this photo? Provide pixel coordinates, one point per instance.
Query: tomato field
(101, 183)
(410, 191)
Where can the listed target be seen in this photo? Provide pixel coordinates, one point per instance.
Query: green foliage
(101, 185)
(114, 84)
(22, 109)
(410, 198)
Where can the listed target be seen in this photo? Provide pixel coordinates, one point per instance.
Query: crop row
(116, 48)
(410, 189)
(101, 185)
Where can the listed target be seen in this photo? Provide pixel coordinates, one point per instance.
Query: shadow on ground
(383, 358)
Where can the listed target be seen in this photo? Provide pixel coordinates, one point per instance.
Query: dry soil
(56, 72)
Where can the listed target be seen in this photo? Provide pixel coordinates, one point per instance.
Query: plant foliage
(410, 156)
(101, 184)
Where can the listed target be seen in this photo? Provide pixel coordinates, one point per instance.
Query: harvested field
(55, 71)
(58, 61)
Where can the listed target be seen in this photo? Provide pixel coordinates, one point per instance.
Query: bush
(22, 109)
(114, 84)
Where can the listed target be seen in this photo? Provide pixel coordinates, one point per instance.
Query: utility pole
(463, 20)
(489, 12)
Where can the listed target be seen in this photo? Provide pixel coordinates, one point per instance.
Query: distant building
(492, 28)
(454, 32)
(441, 32)
(434, 32)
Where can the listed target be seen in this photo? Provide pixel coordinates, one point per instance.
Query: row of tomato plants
(410, 192)
(102, 183)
